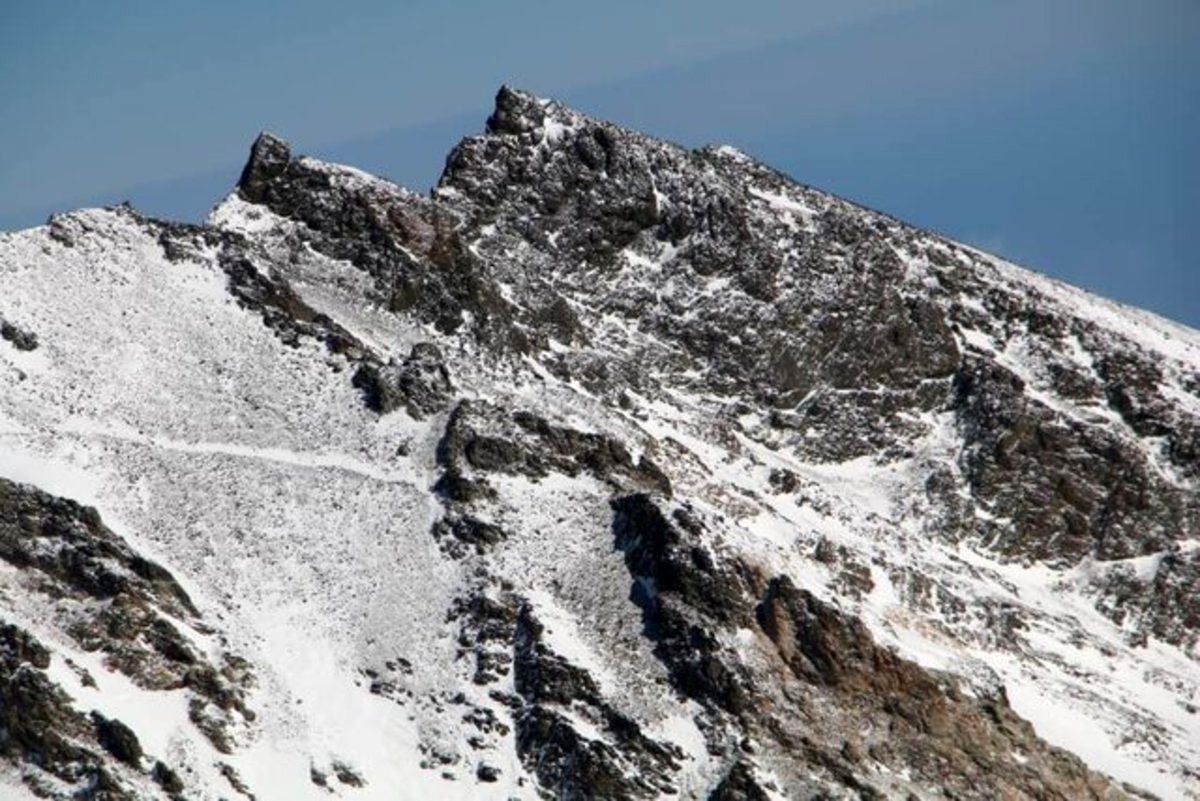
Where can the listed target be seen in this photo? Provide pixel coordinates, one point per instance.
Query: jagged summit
(610, 469)
(269, 157)
(516, 112)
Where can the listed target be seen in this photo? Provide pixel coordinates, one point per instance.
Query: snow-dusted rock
(611, 469)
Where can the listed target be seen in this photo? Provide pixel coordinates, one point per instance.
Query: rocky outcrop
(739, 784)
(688, 594)
(949, 739)
(1071, 490)
(420, 384)
(40, 729)
(481, 438)
(107, 599)
(391, 234)
(283, 310)
(627, 764)
(566, 733)
(20, 338)
(69, 546)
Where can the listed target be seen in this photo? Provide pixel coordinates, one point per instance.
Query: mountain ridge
(591, 362)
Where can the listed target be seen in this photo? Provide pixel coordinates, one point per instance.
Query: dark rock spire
(269, 157)
(516, 112)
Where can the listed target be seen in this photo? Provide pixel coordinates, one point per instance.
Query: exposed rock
(40, 727)
(482, 438)
(671, 555)
(85, 558)
(1163, 600)
(20, 338)
(119, 603)
(347, 775)
(166, 778)
(950, 738)
(269, 158)
(460, 532)
(235, 780)
(383, 230)
(284, 311)
(739, 784)
(118, 739)
(568, 764)
(1090, 492)
(420, 384)
(947, 739)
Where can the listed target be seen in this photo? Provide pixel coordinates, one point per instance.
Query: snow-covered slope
(610, 470)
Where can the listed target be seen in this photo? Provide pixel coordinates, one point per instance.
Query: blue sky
(1059, 133)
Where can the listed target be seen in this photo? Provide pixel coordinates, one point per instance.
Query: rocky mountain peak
(611, 469)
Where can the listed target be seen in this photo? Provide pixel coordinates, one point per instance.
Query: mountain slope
(611, 469)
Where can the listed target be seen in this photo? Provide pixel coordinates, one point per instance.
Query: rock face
(79, 578)
(609, 470)
(419, 384)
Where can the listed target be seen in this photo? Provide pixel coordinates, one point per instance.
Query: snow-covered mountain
(609, 470)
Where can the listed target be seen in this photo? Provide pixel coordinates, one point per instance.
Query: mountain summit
(611, 469)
